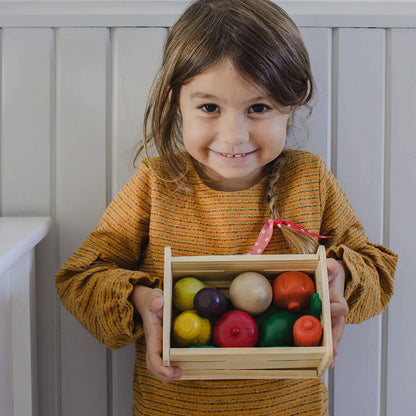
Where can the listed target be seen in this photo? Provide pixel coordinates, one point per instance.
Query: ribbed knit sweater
(127, 248)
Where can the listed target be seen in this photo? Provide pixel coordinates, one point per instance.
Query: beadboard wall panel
(359, 167)
(81, 146)
(401, 336)
(26, 120)
(132, 76)
(27, 175)
(137, 54)
(313, 130)
(72, 102)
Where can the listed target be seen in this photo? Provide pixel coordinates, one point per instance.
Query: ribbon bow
(267, 231)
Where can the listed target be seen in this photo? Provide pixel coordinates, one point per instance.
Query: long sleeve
(371, 266)
(95, 283)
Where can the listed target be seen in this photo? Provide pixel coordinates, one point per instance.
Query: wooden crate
(247, 363)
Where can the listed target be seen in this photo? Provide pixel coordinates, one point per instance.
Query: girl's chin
(224, 180)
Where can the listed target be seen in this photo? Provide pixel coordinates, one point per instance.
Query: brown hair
(262, 43)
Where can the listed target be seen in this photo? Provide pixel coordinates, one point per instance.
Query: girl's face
(230, 128)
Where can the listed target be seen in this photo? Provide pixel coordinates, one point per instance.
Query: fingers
(332, 266)
(338, 304)
(161, 372)
(156, 305)
(339, 307)
(153, 329)
(338, 326)
(154, 355)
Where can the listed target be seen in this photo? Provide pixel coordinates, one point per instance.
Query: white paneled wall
(359, 166)
(72, 102)
(400, 336)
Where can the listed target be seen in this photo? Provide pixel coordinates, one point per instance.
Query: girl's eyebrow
(205, 96)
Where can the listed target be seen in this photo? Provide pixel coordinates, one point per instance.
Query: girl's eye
(210, 108)
(259, 108)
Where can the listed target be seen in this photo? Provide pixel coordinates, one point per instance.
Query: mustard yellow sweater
(127, 247)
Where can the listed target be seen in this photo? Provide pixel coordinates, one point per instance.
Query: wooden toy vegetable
(251, 292)
(269, 311)
(307, 331)
(235, 329)
(210, 302)
(276, 330)
(315, 307)
(293, 290)
(184, 292)
(189, 329)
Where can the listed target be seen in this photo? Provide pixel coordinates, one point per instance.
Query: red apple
(235, 329)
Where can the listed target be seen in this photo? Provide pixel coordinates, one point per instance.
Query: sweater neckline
(198, 182)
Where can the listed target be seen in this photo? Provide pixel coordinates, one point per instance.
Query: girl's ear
(290, 120)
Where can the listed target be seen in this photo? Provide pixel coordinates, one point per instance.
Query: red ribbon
(267, 231)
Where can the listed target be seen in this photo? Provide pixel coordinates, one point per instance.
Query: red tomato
(293, 290)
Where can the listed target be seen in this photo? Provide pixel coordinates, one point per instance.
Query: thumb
(332, 267)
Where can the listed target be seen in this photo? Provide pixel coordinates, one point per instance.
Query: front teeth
(236, 155)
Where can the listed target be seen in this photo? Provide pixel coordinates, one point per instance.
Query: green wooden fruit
(315, 306)
(276, 330)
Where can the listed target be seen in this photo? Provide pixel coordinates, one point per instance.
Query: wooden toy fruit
(261, 317)
(210, 302)
(189, 329)
(276, 330)
(235, 329)
(315, 307)
(293, 290)
(184, 292)
(307, 331)
(251, 292)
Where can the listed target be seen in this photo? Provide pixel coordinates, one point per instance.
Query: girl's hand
(149, 304)
(337, 273)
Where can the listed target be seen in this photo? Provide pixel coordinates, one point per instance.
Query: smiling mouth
(230, 155)
(235, 155)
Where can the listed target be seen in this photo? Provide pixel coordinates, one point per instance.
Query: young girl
(233, 73)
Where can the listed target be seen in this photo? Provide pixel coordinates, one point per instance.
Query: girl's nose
(234, 129)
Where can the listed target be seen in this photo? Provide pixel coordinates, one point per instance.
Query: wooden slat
(321, 279)
(25, 122)
(249, 374)
(27, 176)
(359, 168)
(257, 353)
(167, 305)
(247, 365)
(82, 57)
(6, 390)
(401, 340)
(135, 57)
(23, 334)
(315, 131)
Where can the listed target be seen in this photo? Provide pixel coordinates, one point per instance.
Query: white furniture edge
(114, 13)
(18, 235)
